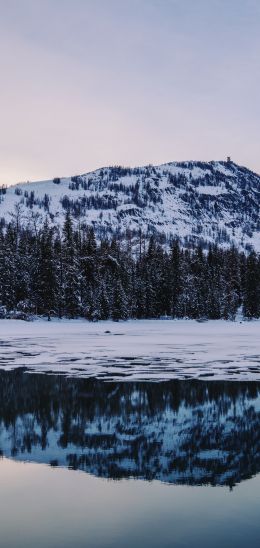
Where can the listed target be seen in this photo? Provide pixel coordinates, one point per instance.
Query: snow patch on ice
(134, 350)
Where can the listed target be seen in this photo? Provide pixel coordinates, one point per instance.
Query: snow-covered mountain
(195, 201)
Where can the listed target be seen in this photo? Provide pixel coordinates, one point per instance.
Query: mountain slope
(195, 201)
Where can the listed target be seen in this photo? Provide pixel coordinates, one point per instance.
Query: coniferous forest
(68, 274)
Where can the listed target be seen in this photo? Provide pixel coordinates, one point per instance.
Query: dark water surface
(128, 464)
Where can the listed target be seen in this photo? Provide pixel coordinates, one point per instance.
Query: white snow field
(134, 350)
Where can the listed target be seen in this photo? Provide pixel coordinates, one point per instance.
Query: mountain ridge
(195, 202)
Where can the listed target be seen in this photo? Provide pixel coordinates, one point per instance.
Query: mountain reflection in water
(180, 432)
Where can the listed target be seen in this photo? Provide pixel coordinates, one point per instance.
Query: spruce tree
(252, 287)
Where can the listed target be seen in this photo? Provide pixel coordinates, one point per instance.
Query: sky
(91, 83)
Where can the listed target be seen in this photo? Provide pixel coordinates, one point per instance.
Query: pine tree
(174, 279)
(71, 270)
(47, 290)
(8, 269)
(252, 287)
(119, 306)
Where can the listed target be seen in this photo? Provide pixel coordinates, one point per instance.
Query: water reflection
(182, 432)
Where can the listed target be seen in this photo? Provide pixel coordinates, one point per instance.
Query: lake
(109, 464)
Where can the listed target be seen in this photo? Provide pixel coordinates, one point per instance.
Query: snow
(211, 190)
(170, 215)
(134, 350)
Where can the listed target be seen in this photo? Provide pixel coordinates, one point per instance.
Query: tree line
(65, 272)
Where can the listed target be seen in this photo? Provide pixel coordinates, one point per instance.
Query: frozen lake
(135, 461)
(134, 350)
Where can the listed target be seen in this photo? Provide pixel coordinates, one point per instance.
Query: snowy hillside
(195, 201)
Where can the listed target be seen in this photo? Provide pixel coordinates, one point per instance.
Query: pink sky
(88, 83)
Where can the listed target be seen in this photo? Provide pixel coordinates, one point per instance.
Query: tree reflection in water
(185, 432)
